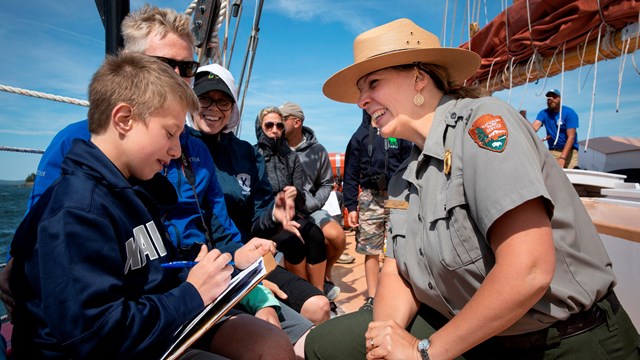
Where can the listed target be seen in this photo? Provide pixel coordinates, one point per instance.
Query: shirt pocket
(460, 242)
(397, 222)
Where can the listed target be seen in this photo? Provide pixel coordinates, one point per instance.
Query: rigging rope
(42, 95)
(455, 7)
(486, 17)
(491, 69)
(564, 45)
(582, 57)
(623, 61)
(191, 7)
(444, 24)
(593, 91)
(633, 56)
(22, 150)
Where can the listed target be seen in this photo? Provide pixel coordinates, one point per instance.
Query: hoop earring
(418, 99)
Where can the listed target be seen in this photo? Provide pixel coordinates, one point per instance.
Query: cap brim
(204, 85)
(461, 64)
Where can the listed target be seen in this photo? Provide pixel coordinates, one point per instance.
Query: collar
(447, 114)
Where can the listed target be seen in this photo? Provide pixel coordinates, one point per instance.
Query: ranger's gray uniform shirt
(497, 164)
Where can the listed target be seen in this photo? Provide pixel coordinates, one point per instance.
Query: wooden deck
(350, 279)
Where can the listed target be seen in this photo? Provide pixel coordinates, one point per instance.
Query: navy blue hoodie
(86, 275)
(360, 167)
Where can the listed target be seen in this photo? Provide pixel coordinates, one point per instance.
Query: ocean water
(13, 203)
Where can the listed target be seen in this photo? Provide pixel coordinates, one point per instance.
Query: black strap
(187, 169)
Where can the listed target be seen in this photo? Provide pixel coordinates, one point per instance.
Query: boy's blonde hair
(140, 25)
(144, 83)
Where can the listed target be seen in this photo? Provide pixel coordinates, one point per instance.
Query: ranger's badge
(490, 132)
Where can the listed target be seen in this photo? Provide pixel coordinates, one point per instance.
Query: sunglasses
(187, 69)
(269, 125)
(221, 104)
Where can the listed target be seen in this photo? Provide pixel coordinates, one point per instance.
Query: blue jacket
(247, 191)
(51, 161)
(360, 167)
(86, 274)
(184, 222)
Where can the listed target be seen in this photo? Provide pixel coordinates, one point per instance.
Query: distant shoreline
(16, 183)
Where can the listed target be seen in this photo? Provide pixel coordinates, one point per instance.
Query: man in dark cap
(561, 123)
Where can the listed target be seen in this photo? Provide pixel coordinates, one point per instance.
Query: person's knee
(334, 234)
(274, 344)
(339, 338)
(316, 309)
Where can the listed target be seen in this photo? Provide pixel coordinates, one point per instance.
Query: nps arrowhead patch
(490, 132)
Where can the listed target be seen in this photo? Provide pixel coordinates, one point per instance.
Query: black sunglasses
(186, 68)
(269, 125)
(221, 104)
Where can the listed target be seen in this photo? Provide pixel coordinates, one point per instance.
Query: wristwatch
(423, 346)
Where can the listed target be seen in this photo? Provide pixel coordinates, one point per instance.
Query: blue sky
(55, 46)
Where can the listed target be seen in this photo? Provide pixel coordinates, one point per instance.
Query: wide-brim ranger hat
(399, 42)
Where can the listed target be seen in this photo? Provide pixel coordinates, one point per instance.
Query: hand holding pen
(210, 274)
(185, 264)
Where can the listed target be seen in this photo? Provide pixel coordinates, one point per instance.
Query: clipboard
(239, 286)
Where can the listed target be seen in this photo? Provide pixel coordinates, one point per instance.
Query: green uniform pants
(617, 338)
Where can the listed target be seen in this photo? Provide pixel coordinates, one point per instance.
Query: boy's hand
(211, 275)
(275, 289)
(252, 251)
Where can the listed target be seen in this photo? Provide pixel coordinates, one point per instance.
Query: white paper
(332, 205)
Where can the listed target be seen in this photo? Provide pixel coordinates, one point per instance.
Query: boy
(86, 277)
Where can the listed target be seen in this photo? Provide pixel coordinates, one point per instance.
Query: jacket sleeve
(50, 163)
(263, 202)
(351, 180)
(323, 182)
(87, 295)
(299, 181)
(259, 298)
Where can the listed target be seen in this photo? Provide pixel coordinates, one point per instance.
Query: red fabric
(552, 23)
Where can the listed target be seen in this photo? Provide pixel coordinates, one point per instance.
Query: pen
(185, 264)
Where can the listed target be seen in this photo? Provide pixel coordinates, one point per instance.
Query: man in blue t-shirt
(561, 123)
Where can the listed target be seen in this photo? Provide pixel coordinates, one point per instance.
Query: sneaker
(331, 291)
(345, 258)
(368, 304)
(336, 310)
